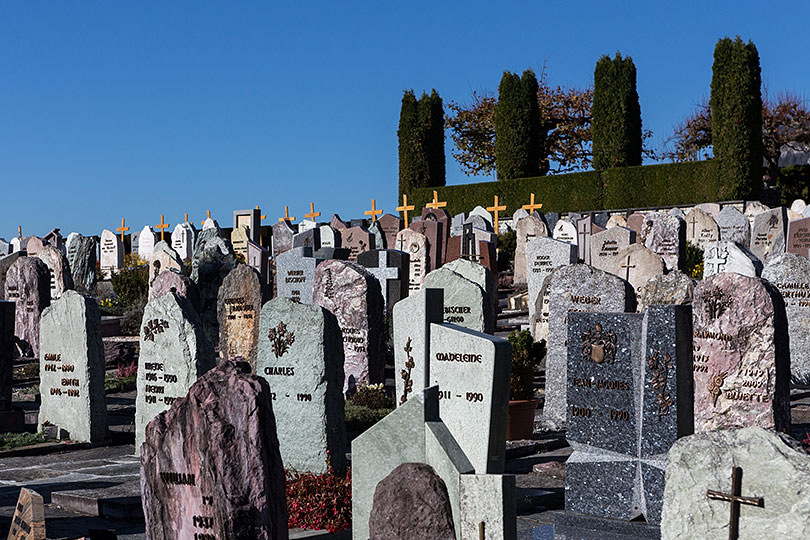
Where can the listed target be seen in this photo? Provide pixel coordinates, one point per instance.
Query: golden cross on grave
(628, 266)
(373, 212)
(531, 207)
(286, 217)
(495, 209)
(161, 227)
(405, 208)
(261, 218)
(207, 217)
(436, 203)
(312, 213)
(185, 218)
(122, 229)
(735, 499)
(19, 231)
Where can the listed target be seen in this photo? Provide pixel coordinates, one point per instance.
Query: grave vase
(520, 424)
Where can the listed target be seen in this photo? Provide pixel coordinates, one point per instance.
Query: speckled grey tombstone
(578, 287)
(543, 256)
(629, 399)
(295, 272)
(665, 235)
(213, 259)
(283, 234)
(790, 273)
(301, 357)
(481, 275)
(238, 306)
(81, 255)
(531, 226)
(174, 354)
(674, 288)
(734, 226)
(72, 369)
(465, 303)
(28, 285)
(774, 468)
(59, 269)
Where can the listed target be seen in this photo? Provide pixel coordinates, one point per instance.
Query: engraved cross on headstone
(694, 220)
(384, 273)
(627, 266)
(716, 259)
(735, 499)
(584, 229)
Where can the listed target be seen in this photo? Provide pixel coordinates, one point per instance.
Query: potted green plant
(526, 356)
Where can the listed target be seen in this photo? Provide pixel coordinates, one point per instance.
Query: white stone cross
(717, 259)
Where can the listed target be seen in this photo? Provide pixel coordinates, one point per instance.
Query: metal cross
(436, 203)
(122, 229)
(531, 207)
(373, 212)
(495, 209)
(735, 499)
(405, 208)
(286, 217)
(162, 226)
(312, 213)
(628, 266)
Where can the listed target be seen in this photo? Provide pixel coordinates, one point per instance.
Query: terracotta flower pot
(521, 419)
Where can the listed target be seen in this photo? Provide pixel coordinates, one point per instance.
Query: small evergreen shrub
(526, 356)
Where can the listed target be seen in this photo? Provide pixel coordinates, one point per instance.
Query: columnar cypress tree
(736, 104)
(517, 127)
(615, 114)
(421, 141)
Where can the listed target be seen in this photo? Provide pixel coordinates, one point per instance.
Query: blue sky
(133, 109)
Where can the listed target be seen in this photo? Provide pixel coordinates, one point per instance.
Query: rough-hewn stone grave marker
(726, 256)
(734, 226)
(81, 256)
(283, 234)
(183, 238)
(607, 244)
(527, 228)
(768, 233)
(701, 228)
(238, 307)
(28, 285)
(465, 302)
(213, 259)
(28, 522)
(665, 235)
(416, 246)
(637, 265)
(59, 270)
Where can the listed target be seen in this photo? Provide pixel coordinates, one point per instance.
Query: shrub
(421, 141)
(372, 396)
(319, 501)
(133, 317)
(526, 356)
(507, 243)
(694, 261)
(131, 283)
(794, 183)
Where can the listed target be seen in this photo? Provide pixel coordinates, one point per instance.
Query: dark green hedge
(627, 187)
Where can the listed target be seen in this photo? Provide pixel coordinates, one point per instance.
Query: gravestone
(790, 274)
(565, 231)
(677, 212)
(5, 247)
(629, 399)
(28, 285)
(607, 244)
(210, 223)
(472, 372)
(213, 259)
(457, 223)
(577, 287)
(477, 273)
(283, 234)
(357, 223)
(806, 212)
(798, 206)
(465, 302)
(28, 522)
(357, 240)
(477, 221)
(81, 256)
(301, 357)
(61, 279)
(337, 223)
(72, 369)
(637, 265)
(377, 235)
(701, 228)
(793, 216)
(734, 226)
(146, 243)
(412, 322)
(742, 361)
(180, 284)
(635, 222)
(484, 213)
(133, 241)
(240, 236)
(674, 288)
(616, 220)
(768, 471)
(163, 258)
(768, 233)
(798, 237)
(729, 257)
(174, 353)
(585, 228)
(390, 268)
(710, 208)
(252, 220)
(211, 467)
(16, 244)
(441, 216)
(33, 245)
(6, 361)
(5, 264)
(665, 235)
(330, 238)
(519, 214)
(527, 228)
(295, 272)
(238, 306)
(753, 209)
(543, 256)
(112, 253)
(258, 258)
(434, 232)
(308, 238)
(332, 253)
(416, 246)
(353, 295)
(306, 224)
(183, 238)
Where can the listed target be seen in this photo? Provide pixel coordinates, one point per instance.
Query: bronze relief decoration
(281, 339)
(714, 386)
(659, 365)
(716, 302)
(406, 374)
(599, 346)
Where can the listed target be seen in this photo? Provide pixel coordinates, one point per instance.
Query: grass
(16, 440)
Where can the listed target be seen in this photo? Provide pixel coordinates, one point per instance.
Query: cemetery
(614, 354)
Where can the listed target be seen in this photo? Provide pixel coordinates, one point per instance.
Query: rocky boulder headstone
(210, 465)
(81, 256)
(606, 245)
(637, 265)
(734, 226)
(183, 238)
(163, 258)
(674, 288)
(768, 233)
(283, 234)
(295, 272)
(28, 522)
(416, 246)
(726, 256)
(543, 256)
(665, 235)
(465, 302)
(72, 369)
(238, 306)
(180, 284)
(59, 270)
(701, 228)
(28, 285)
(213, 260)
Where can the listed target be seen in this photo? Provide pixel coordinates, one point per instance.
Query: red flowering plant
(319, 501)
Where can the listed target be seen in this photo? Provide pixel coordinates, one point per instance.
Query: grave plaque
(390, 268)
(742, 363)
(81, 256)
(665, 235)
(527, 228)
(768, 233)
(72, 369)
(28, 285)
(565, 231)
(174, 353)
(790, 273)
(353, 295)
(112, 253)
(301, 357)
(543, 256)
(798, 237)
(734, 226)
(465, 303)
(295, 272)
(211, 467)
(701, 228)
(183, 238)
(238, 306)
(28, 522)
(729, 257)
(577, 287)
(146, 243)
(637, 265)
(59, 270)
(416, 246)
(606, 245)
(283, 234)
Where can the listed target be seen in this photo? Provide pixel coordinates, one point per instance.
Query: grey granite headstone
(309, 238)
(543, 256)
(478, 222)
(527, 228)
(295, 272)
(790, 274)
(465, 302)
(551, 219)
(629, 399)
(477, 273)
(677, 212)
(519, 214)
(701, 228)
(59, 270)
(28, 285)
(457, 224)
(665, 235)
(5, 247)
(81, 256)
(390, 268)
(213, 259)
(377, 234)
(674, 288)
(72, 369)
(729, 257)
(484, 213)
(753, 209)
(734, 226)
(577, 287)
(301, 357)
(637, 265)
(174, 353)
(283, 234)
(326, 253)
(798, 206)
(163, 258)
(337, 223)
(238, 306)
(768, 233)
(353, 295)
(5, 264)
(112, 253)
(412, 317)
(416, 246)
(606, 245)
(710, 208)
